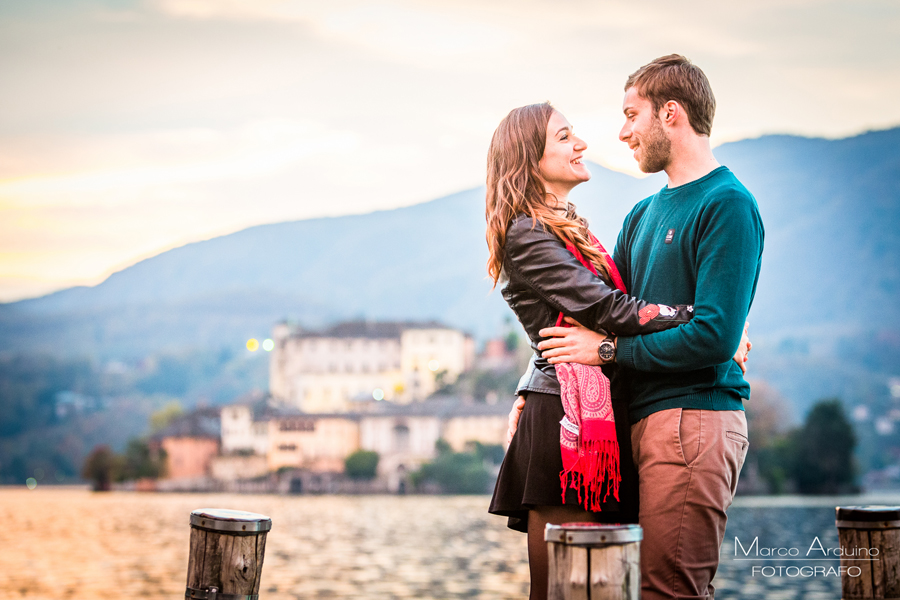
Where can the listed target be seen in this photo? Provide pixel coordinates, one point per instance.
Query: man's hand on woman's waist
(578, 344)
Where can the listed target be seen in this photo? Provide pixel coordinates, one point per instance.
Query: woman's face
(561, 166)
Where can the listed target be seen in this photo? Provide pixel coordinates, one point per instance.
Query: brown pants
(688, 463)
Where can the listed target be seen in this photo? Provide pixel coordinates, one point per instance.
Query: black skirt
(529, 475)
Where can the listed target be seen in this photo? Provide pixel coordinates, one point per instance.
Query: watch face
(607, 350)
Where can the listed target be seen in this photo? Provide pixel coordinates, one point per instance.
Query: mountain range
(823, 321)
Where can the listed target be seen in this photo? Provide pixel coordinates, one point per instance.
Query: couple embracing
(632, 408)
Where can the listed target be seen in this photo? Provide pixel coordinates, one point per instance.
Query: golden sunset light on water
(130, 128)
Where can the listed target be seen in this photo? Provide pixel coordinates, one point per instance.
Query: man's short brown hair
(674, 77)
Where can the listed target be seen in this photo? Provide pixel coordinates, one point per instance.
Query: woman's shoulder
(525, 225)
(524, 231)
(529, 239)
(521, 221)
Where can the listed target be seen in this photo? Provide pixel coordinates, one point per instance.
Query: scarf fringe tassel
(597, 463)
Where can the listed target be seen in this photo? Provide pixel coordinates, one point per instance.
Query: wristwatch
(607, 349)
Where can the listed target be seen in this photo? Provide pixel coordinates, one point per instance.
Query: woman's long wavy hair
(514, 187)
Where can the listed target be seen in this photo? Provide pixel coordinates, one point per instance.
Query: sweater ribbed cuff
(625, 352)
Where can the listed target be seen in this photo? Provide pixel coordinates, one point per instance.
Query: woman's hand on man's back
(740, 357)
(514, 415)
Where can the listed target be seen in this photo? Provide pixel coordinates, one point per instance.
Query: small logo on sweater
(670, 235)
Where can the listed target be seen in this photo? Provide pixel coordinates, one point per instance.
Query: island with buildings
(362, 386)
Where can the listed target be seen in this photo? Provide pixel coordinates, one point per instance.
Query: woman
(550, 265)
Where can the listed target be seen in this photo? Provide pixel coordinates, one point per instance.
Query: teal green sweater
(700, 243)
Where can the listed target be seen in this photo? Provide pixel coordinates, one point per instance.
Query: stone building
(403, 435)
(191, 442)
(406, 436)
(331, 371)
(264, 436)
(315, 442)
(355, 386)
(243, 431)
(244, 440)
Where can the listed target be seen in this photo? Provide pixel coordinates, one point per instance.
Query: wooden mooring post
(594, 561)
(870, 551)
(226, 556)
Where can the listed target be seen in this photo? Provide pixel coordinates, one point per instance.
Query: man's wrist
(607, 350)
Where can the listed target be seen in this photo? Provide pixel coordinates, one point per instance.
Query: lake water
(60, 543)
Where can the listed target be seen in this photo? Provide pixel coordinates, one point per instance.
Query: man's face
(644, 133)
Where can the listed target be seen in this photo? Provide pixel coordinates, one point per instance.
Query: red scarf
(587, 434)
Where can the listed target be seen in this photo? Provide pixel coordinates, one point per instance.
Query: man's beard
(656, 149)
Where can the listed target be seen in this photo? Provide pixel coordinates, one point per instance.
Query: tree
(99, 467)
(492, 453)
(822, 461)
(362, 464)
(161, 418)
(767, 422)
(440, 379)
(141, 461)
(511, 341)
(767, 414)
(455, 472)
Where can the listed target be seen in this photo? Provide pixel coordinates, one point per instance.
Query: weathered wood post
(590, 560)
(226, 556)
(870, 551)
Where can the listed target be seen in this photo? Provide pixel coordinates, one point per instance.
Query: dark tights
(538, 517)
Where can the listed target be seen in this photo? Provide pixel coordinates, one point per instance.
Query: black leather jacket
(541, 278)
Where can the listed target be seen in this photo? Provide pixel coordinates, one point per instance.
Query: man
(698, 241)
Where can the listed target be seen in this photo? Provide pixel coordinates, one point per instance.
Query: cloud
(257, 149)
(240, 10)
(126, 129)
(403, 31)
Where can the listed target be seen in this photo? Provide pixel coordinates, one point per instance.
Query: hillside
(424, 261)
(823, 319)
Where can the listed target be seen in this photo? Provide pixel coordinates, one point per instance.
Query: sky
(130, 127)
